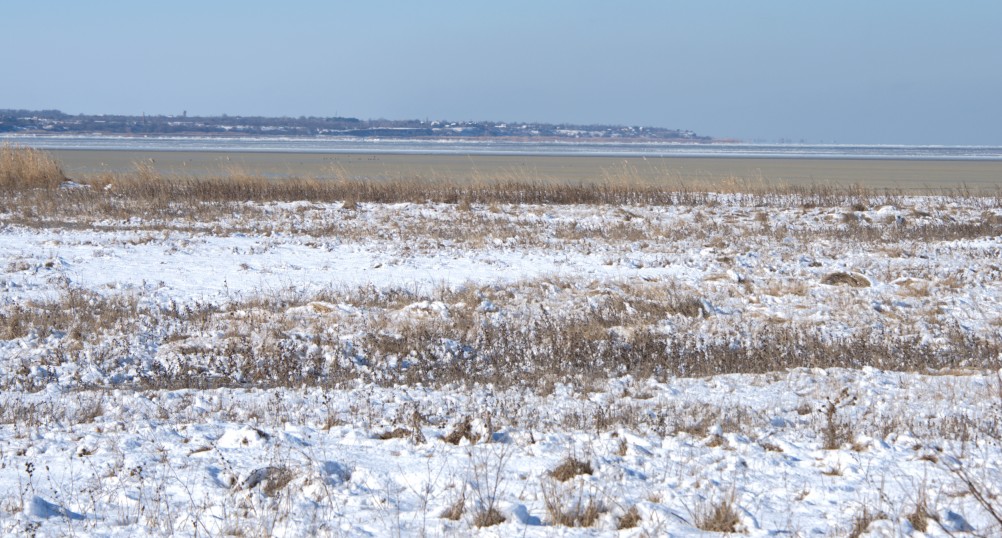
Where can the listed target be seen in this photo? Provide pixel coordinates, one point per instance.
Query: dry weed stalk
(487, 471)
(985, 494)
(836, 432)
(862, 522)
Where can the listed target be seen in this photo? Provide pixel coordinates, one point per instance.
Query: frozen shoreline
(500, 146)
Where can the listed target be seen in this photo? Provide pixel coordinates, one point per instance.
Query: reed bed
(23, 168)
(25, 171)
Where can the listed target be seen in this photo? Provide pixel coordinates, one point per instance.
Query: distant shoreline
(508, 146)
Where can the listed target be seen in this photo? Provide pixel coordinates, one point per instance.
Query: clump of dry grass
(28, 168)
(840, 278)
(717, 516)
(396, 433)
(455, 510)
(271, 480)
(920, 516)
(487, 471)
(488, 518)
(862, 522)
(571, 506)
(629, 520)
(569, 468)
(463, 430)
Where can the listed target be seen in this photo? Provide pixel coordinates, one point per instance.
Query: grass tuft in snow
(630, 519)
(569, 468)
(863, 520)
(571, 505)
(719, 515)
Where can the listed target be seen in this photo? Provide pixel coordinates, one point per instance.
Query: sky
(875, 72)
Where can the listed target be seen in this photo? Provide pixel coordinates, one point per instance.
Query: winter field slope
(229, 357)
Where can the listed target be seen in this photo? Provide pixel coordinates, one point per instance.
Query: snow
(89, 449)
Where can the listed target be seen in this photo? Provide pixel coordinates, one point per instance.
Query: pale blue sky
(849, 71)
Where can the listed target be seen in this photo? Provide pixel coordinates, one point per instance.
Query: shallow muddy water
(899, 174)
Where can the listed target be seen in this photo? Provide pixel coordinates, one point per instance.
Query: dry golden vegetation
(24, 168)
(571, 334)
(530, 332)
(146, 191)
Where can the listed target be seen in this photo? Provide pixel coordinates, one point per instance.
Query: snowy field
(751, 364)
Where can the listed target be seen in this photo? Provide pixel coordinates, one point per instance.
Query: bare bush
(487, 471)
(835, 432)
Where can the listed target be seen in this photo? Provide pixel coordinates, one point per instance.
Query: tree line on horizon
(57, 122)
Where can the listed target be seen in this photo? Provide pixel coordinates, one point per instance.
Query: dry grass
(571, 506)
(23, 168)
(717, 516)
(487, 471)
(846, 279)
(576, 332)
(920, 516)
(462, 430)
(629, 520)
(569, 468)
(584, 338)
(271, 480)
(862, 522)
(82, 315)
(455, 510)
(488, 518)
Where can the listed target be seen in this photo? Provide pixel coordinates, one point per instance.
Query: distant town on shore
(57, 122)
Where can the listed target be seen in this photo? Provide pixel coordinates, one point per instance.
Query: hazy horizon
(853, 72)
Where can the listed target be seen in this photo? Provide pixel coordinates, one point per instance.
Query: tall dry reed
(28, 168)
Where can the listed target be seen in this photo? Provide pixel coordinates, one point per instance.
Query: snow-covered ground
(301, 368)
